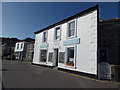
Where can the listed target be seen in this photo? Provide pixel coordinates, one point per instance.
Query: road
(18, 74)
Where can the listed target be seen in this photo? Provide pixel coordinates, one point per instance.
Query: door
(56, 57)
(103, 55)
(103, 65)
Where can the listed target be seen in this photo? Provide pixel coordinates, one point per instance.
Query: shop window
(70, 56)
(43, 56)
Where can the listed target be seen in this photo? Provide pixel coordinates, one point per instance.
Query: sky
(22, 19)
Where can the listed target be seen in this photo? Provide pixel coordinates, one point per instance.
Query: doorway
(103, 55)
(56, 51)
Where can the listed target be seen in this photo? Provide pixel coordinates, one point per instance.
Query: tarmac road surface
(21, 74)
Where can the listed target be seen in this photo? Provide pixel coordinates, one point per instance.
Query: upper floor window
(57, 33)
(44, 36)
(71, 29)
(18, 46)
(21, 45)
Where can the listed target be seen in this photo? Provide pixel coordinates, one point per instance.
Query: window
(71, 29)
(18, 46)
(70, 56)
(44, 36)
(57, 33)
(61, 57)
(21, 45)
(43, 56)
(50, 58)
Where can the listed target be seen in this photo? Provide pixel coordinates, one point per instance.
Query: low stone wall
(115, 72)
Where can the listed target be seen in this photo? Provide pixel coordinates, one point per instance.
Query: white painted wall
(86, 51)
(19, 49)
(38, 41)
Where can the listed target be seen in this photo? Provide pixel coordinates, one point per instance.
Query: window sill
(70, 66)
(43, 61)
(71, 37)
(57, 40)
(50, 62)
(44, 42)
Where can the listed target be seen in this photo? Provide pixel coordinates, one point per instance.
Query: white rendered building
(70, 44)
(20, 50)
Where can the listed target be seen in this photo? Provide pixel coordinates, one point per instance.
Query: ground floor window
(43, 56)
(17, 55)
(61, 57)
(50, 57)
(70, 56)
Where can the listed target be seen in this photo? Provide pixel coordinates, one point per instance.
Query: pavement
(21, 74)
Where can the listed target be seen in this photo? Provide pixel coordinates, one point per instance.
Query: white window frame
(75, 56)
(75, 33)
(55, 33)
(43, 36)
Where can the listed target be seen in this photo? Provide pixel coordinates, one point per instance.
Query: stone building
(7, 46)
(109, 46)
(109, 41)
(30, 51)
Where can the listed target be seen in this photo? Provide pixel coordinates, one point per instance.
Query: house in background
(30, 51)
(7, 47)
(21, 48)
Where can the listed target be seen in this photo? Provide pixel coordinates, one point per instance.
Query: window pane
(21, 46)
(17, 46)
(58, 32)
(72, 25)
(57, 37)
(44, 39)
(43, 56)
(72, 33)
